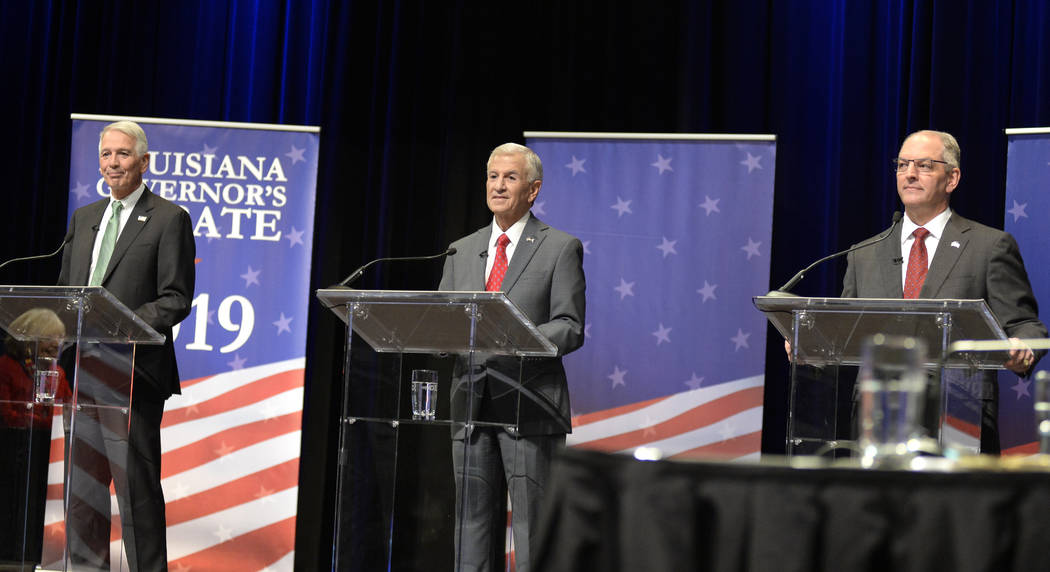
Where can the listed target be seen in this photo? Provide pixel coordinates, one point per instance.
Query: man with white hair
(541, 270)
(140, 247)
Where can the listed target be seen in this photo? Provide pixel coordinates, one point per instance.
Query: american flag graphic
(676, 232)
(230, 473)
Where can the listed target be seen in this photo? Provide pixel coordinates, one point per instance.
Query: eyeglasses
(924, 165)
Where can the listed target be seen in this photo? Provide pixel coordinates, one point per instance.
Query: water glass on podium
(424, 394)
(892, 395)
(45, 379)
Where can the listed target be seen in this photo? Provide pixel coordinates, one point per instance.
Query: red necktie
(499, 266)
(918, 263)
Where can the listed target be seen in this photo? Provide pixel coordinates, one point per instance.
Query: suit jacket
(545, 280)
(973, 261)
(151, 272)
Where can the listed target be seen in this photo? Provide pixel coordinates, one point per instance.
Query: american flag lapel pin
(955, 244)
(530, 239)
(143, 218)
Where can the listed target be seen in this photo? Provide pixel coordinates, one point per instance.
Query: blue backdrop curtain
(410, 97)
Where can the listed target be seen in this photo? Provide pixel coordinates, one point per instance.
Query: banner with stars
(230, 442)
(1027, 210)
(676, 232)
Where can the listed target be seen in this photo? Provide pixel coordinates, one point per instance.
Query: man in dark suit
(541, 270)
(955, 258)
(140, 247)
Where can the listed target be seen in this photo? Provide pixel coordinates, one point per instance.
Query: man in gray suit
(541, 270)
(955, 258)
(140, 247)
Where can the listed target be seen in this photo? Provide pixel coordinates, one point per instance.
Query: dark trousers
(488, 463)
(108, 446)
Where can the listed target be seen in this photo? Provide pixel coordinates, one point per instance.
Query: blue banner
(676, 236)
(1027, 210)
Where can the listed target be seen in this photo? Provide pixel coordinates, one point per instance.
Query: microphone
(65, 241)
(898, 261)
(785, 290)
(357, 273)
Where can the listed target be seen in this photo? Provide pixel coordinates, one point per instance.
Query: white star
(662, 164)
(648, 427)
(617, 377)
(577, 165)
(537, 208)
(296, 154)
(1021, 387)
(282, 324)
(622, 206)
(740, 339)
(726, 430)
(710, 205)
(180, 490)
(81, 191)
(751, 248)
(250, 277)
(586, 247)
(1018, 211)
(223, 533)
(752, 162)
(694, 381)
(625, 288)
(667, 246)
(209, 150)
(708, 291)
(662, 334)
(294, 237)
(237, 363)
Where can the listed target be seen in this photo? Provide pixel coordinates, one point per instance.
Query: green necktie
(108, 240)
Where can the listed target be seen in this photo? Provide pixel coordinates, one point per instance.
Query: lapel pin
(529, 239)
(142, 218)
(955, 244)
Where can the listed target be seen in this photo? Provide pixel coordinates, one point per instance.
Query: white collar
(514, 232)
(935, 225)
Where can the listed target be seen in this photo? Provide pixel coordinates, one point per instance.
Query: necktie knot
(920, 233)
(503, 240)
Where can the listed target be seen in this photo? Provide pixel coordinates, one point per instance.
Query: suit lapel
(139, 217)
(531, 239)
(947, 255)
(477, 255)
(888, 251)
(85, 244)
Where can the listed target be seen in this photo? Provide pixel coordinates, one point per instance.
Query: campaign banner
(1027, 210)
(676, 232)
(231, 440)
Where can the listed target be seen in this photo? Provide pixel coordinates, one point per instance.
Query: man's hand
(1021, 357)
(787, 349)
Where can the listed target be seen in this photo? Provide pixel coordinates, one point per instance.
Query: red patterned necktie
(499, 266)
(918, 263)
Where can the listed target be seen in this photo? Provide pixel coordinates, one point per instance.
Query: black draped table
(612, 512)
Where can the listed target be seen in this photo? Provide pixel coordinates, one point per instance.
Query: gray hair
(952, 152)
(533, 165)
(131, 129)
(35, 324)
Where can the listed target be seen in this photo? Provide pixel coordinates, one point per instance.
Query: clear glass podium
(826, 336)
(66, 379)
(395, 489)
